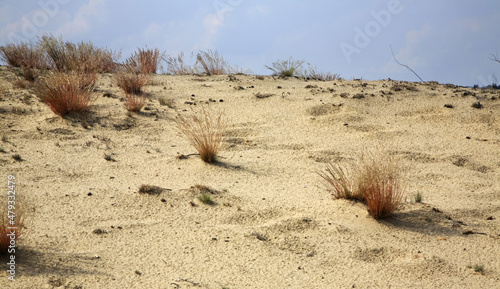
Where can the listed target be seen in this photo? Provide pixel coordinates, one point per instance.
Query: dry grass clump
(145, 61)
(67, 92)
(11, 226)
(204, 130)
(312, 73)
(176, 66)
(131, 82)
(81, 57)
(28, 56)
(212, 63)
(287, 68)
(377, 182)
(134, 102)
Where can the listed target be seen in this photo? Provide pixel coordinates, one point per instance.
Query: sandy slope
(274, 225)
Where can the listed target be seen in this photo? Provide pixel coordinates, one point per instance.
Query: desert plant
(340, 183)
(81, 57)
(380, 183)
(206, 199)
(479, 268)
(134, 102)
(212, 63)
(28, 56)
(11, 226)
(131, 82)
(204, 130)
(17, 157)
(67, 92)
(176, 66)
(287, 68)
(377, 182)
(418, 197)
(145, 61)
(170, 102)
(312, 73)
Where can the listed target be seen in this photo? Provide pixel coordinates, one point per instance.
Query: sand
(274, 224)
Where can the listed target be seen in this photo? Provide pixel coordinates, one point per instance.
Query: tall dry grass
(377, 180)
(134, 102)
(204, 129)
(29, 57)
(287, 68)
(211, 63)
(67, 92)
(11, 226)
(145, 61)
(176, 65)
(131, 82)
(81, 57)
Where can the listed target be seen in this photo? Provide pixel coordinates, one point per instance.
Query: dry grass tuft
(134, 102)
(176, 66)
(67, 92)
(81, 57)
(145, 61)
(380, 182)
(212, 63)
(204, 129)
(377, 182)
(341, 185)
(11, 226)
(287, 68)
(29, 57)
(131, 82)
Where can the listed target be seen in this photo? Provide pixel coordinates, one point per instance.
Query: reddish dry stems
(145, 61)
(9, 231)
(134, 102)
(204, 130)
(67, 92)
(378, 183)
(131, 82)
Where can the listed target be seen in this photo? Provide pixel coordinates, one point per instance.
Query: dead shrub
(377, 181)
(131, 82)
(134, 102)
(145, 61)
(176, 66)
(29, 57)
(67, 92)
(11, 225)
(80, 57)
(204, 130)
(212, 63)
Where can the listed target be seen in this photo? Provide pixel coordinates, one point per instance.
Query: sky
(449, 41)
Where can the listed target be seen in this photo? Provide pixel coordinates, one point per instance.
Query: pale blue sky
(446, 41)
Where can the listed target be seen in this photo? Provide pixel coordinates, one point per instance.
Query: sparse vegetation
(81, 57)
(150, 190)
(170, 102)
(377, 182)
(206, 199)
(145, 61)
(287, 68)
(67, 92)
(134, 102)
(204, 130)
(5, 138)
(263, 95)
(312, 73)
(176, 66)
(17, 157)
(211, 63)
(418, 197)
(131, 82)
(2, 150)
(109, 158)
(11, 225)
(479, 268)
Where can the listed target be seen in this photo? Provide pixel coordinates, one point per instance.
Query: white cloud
(83, 19)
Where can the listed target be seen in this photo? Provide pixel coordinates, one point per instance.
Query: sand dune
(274, 224)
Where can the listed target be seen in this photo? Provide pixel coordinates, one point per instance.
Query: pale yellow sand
(274, 225)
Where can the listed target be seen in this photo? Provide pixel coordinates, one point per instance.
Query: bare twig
(495, 57)
(189, 281)
(405, 65)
